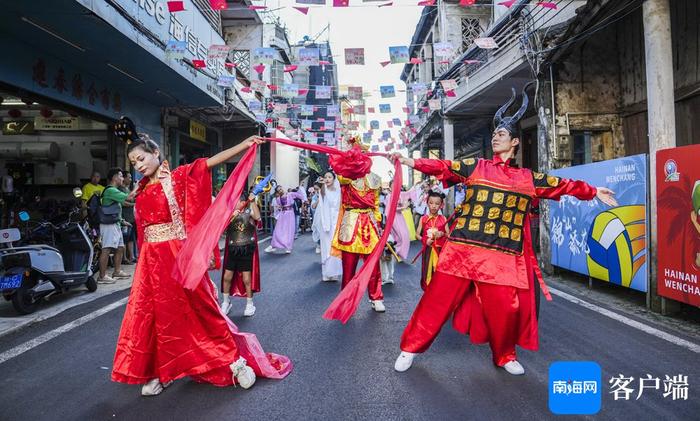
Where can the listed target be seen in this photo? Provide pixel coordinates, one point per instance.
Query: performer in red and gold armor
(487, 276)
(356, 234)
(168, 331)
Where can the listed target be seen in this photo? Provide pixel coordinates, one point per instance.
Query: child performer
(241, 261)
(433, 234)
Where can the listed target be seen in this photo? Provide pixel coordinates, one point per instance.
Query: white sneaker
(388, 281)
(242, 373)
(288, 251)
(152, 388)
(378, 306)
(318, 250)
(249, 309)
(404, 361)
(514, 368)
(106, 280)
(226, 306)
(269, 249)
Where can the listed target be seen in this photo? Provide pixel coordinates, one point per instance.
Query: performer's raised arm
(229, 153)
(551, 187)
(449, 172)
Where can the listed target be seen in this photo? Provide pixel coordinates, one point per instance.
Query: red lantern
(46, 112)
(15, 113)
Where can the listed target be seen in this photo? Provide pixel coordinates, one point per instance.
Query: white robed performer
(329, 203)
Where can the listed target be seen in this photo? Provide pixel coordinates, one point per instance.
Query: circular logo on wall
(671, 170)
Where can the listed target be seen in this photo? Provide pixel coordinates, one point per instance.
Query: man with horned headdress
(487, 276)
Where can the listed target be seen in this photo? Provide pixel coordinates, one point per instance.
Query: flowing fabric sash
(193, 260)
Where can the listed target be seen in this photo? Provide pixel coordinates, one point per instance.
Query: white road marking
(22, 348)
(629, 322)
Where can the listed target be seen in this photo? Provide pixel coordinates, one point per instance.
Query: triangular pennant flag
(290, 68)
(507, 4)
(472, 61)
(259, 68)
(199, 64)
(304, 10)
(341, 3)
(547, 4)
(272, 87)
(176, 6)
(426, 3)
(385, 63)
(246, 89)
(324, 63)
(465, 3)
(451, 93)
(386, 4)
(230, 65)
(303, 91)
(416, 60)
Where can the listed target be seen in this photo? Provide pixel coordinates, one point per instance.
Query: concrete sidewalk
(10, 321)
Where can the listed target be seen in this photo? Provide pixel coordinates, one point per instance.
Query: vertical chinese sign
(678, 210)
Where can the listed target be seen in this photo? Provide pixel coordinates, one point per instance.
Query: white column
(661, 113)
(448, 134)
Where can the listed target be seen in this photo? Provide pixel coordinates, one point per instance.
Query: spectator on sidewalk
(128, 231)
(93, 186)
(111, 238)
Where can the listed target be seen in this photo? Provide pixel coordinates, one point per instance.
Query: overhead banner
(678, 210)
(591, 238)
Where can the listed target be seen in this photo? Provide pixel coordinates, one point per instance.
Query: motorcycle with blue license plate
(33, 273)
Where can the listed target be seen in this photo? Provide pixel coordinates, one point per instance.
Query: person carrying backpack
(110, 219)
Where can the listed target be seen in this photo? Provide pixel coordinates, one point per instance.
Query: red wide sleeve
(553, 188)
(442, 169)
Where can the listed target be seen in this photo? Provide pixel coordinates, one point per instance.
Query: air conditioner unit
(563, 148)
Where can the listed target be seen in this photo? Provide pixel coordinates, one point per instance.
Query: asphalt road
(341, 372)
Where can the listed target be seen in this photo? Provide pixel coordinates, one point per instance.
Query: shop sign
(15, 127)
(198, 131)
(56, 123)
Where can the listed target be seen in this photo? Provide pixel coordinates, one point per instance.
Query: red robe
(430, 254)
(488, 257)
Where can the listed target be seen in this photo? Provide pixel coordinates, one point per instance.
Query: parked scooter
(30, 274)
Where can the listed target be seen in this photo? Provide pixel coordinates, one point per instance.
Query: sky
(362, 25)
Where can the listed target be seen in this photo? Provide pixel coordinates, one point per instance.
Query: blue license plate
(11, 281)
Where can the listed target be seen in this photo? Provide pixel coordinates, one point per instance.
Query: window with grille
(471, 29)
(242, 60)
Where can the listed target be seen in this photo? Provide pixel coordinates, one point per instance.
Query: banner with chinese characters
(678, 210)
(593, 239)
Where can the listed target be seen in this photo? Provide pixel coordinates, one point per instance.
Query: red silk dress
(430, 254)
(487, 276)
(356, 233)
(170, 332)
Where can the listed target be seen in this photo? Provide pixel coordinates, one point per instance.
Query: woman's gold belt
(163, 232)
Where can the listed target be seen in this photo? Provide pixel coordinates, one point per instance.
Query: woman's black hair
(331, 173)
(144, 142)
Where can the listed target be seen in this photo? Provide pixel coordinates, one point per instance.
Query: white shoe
(152, 388)
(318, 250)
(269, 249)
(378, 306)
(388, 281)
(226, 306)
(404, 361)
(514, 368)
(249, 309)
(106, 280)
(242, 373)
(288, 251)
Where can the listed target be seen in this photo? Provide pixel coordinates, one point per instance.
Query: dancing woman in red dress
(168, 331)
